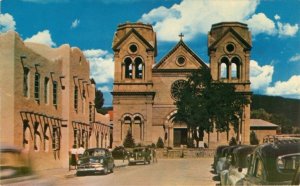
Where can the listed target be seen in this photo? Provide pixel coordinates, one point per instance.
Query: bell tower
(134, 46)
(229, 46)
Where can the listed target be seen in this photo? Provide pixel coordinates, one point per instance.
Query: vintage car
(218, 154)
(16, 170)
(238, 166)
(95, 160)
(120, 153)
(273, 163)
(140, 155)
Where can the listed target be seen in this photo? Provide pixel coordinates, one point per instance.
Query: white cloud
(286, 29)
(43, 37)
(101, 65)
(276, 17)
(104, 89)
(7, 23)
(294, 58)
(289, 88)
(260, 76)
(75, 23)
(193, 17)
(260, 23)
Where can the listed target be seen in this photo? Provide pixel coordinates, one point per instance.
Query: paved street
(165, 172)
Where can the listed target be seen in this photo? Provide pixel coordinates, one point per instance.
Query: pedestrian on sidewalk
(73, 157)
(80, 151)
(154, 155)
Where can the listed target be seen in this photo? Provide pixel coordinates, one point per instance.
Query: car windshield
(96, 152)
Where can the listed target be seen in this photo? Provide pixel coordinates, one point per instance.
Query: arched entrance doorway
(176, 134)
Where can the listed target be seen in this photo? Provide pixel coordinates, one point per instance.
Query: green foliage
(232, 141)
(153, 145)
(284, 123)
(287, 108)
(99, 100)
(129, 141)
(160, 143)
(204, 103)
(253, 138)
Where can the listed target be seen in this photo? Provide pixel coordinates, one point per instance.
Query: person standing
(80, 151)
(73, 157)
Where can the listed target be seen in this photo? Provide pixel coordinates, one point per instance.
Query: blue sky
(90, 25)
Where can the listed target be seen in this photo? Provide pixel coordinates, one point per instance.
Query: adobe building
(263, 128)
(47, 101)
(145, 91)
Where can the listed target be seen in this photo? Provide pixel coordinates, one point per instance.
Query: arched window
(128, 68)
(224, 68)
(26, 82)
(235, 67)
(138, 68)
(127, 120)
(138, 121)
(37, 87)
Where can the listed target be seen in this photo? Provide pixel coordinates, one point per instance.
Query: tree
(160, 143)
(99, 100)
(129, 141)
(205, 104)
(253, 138)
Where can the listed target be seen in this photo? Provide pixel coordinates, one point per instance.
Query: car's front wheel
(105, 171)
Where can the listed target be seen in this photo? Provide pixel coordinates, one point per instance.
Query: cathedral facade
(145, 92)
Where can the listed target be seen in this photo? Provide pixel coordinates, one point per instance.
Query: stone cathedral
(145, 91)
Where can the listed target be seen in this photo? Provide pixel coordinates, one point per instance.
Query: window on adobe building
(54, 94)
(138, 68)
(235, 67)
(55, 138)
(37, 87)
(76, 98)
(128, 68)
(91, 113)
(97, 139)
(75, 137)
(46, 89)
(224, 74)
(138, 121)
(26, 82)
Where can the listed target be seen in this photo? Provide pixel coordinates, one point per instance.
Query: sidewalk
(65, 173)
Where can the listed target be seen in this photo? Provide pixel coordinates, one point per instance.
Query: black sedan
(95, 160)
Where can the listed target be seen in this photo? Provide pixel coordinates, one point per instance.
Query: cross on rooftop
(181, 36)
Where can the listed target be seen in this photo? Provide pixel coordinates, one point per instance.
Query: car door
(256, 173)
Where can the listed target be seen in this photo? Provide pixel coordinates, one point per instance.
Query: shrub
(253, 138)
(129, 141)
(160, 143)
(232, 141)
(153, 145)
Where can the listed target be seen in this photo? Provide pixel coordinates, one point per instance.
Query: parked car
(218, 154)
(238, 165)
(120, 153)
(140, 155)
(16, 170)
(95, 160)
(223, 163)
(273, 163)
